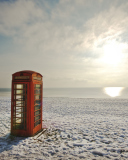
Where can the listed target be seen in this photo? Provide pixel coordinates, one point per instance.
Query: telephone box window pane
(20, 109)
(38, 91)
(37, 113)
(20, 92)
(37, 118)
(14, 120)
(37, 78)
(38, 102)
(38, 122)
(19, 126)
(20, 103)
(14, 108)
(20, 86)
(14, 113)
(38, 86)
(37, 97)
(18, 120)
(20, 97)
(37, 107)
(21, 77)
(19, 115)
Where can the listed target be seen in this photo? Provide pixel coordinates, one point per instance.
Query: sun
(113, 91)
(113, 53)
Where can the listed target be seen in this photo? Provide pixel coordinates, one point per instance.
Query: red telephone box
(26, 103)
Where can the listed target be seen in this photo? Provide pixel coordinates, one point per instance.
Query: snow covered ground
(78, 128)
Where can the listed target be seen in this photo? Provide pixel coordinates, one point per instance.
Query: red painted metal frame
(30, 129)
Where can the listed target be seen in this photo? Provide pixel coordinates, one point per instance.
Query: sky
(72, 43)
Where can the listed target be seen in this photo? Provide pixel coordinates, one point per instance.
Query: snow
(77, 128)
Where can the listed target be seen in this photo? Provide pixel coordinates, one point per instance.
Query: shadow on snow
(8, 141)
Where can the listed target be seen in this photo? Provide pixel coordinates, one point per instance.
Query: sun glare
(113, 53)
(113, 91)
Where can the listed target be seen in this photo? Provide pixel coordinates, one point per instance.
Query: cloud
(65, 38)
(15, 14)
(109, 24)
(59, 30)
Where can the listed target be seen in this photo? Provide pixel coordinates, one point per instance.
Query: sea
(103, 92)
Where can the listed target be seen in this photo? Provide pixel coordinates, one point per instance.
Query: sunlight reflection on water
(113, 91)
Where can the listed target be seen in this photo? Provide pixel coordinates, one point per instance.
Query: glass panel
(14, 113)
(21, 77)
(20, 97)
(20, 92)
(36, 123)
(19, 126)
(37, 118)
(38, 102)
(38, 86)
(37, 107)
(37, 78)
(18, 120)
(14, 120)
(37, 113)
(20, 103)
(19, 86)
(20, 109)
(14, 109)
(37, 91)
(37, 97)
(19, 115)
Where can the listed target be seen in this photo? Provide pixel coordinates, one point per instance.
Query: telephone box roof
(28, 71)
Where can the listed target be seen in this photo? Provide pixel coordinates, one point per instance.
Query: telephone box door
(19, 108)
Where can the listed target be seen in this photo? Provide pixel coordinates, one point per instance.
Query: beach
(77, 128)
